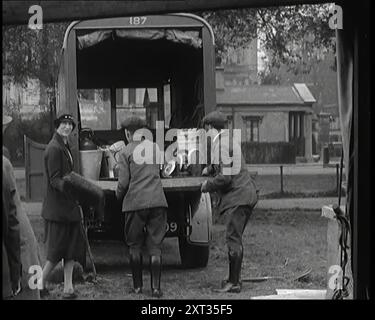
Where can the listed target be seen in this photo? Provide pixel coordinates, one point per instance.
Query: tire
(193, 256)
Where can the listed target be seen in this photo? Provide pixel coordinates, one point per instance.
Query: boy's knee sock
(136, 267)
(155, 268)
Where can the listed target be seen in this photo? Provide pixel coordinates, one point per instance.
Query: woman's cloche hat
(64, 117)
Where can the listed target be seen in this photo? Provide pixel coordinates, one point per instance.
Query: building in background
(269, 113)
(240, 68)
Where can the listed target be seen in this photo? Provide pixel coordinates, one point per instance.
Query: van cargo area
(168, 63)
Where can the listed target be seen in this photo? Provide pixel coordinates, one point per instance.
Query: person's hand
(204, 187)
(205, 171)
(16, 287)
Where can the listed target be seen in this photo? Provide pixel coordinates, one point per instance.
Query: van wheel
(193, 256)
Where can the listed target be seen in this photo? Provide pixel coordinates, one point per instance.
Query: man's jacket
(139, 185)
(232, 181)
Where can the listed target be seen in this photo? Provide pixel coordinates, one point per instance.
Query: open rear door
(35, 184)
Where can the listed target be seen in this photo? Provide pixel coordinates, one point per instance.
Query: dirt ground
(277, 243)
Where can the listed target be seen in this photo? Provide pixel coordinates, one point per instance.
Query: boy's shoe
(225, 282)
(44, 293)
(135, 290)
(156, 293)
(230, 287)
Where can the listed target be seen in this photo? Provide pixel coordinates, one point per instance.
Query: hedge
(269, 152)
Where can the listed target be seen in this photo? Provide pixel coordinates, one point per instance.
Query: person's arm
(222, 179)
(54, 164)
(6, 153)
(13, 185)
(12, 240)
(219, 183)
(123, 176)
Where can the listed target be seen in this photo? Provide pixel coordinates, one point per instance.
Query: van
(160, 68)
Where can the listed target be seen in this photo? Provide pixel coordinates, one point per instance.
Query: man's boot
(136, 267)
(233, 284)
(235, 277)
(225, 281)
(155, 268)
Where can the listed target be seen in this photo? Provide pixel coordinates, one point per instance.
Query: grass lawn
(276, 243)
(297, 184)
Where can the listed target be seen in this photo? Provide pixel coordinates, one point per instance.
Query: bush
(38, 128)
(269, 152)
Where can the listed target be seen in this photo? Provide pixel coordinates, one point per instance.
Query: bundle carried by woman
(85, 192)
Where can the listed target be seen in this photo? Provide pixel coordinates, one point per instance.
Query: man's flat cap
(216, 119)
(133, 123)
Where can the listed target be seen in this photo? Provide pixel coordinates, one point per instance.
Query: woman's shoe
(69, 296)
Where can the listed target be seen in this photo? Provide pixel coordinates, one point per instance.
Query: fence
(285, 181)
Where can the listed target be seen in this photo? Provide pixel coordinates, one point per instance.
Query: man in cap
(143, 203)
(235, 188)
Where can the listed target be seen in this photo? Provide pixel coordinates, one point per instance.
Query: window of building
(252, 128)
(296, 125)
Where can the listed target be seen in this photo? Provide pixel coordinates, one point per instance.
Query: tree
(233, 29)
(292, 35)
(30, 54)
(281, 31)
(298, 44)
(33, 54)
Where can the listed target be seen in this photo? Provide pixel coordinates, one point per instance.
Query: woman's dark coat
(28, 243)
(11, 239)
(58, 205)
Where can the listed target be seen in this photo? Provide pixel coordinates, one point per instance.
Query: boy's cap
(215, 118)
(133, 123)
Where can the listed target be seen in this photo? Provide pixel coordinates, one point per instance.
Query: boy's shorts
(147, 226)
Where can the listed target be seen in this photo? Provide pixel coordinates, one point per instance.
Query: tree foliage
(232, 29)
(31, 53)
(296, 36)
(289, 35)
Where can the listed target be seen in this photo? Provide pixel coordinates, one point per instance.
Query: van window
(167, 105)
(138, 102)
(95, 108)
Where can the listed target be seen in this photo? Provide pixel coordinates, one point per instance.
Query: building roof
(297, 94)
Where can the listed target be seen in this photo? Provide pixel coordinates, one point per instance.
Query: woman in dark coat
(28, 244)
(64, 238)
